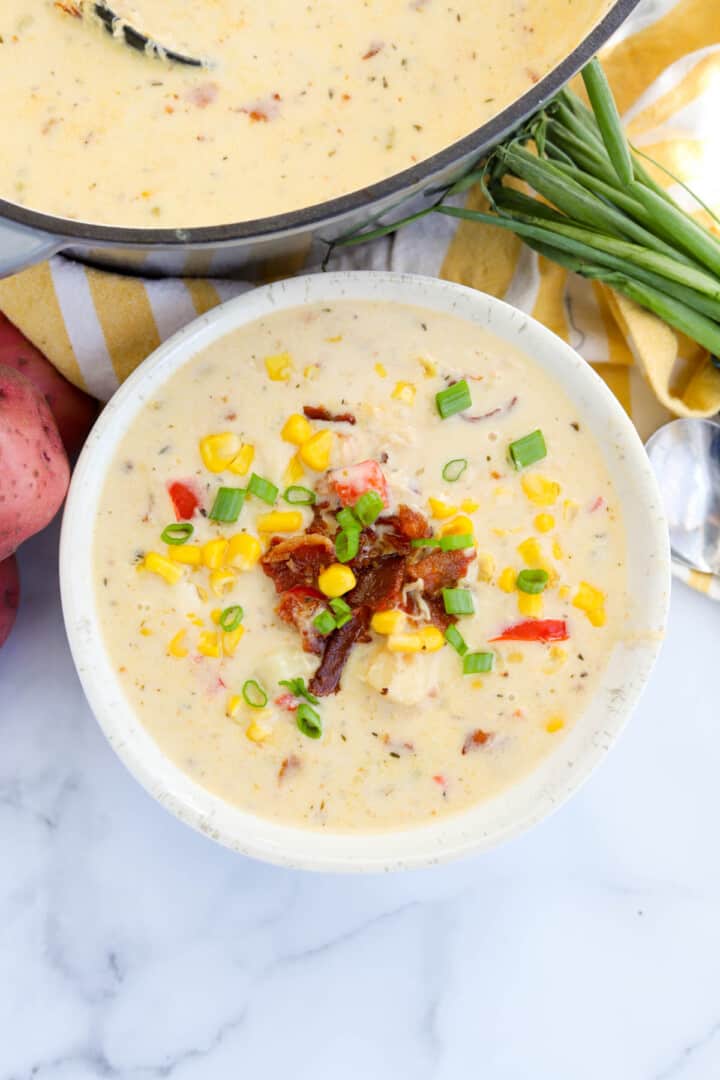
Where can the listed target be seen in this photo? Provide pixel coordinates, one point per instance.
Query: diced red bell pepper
(184, 500)
(535, 630)
(353, 481)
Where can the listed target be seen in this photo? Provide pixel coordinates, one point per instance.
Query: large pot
(27, 237)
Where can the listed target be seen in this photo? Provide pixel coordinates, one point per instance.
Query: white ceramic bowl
(493, 821)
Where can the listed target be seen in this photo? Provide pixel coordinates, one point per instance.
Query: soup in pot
(295, 104)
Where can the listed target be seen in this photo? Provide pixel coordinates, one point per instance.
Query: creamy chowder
(298, 103)
(334, 606)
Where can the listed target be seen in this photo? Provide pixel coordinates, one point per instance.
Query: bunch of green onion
(598, 211)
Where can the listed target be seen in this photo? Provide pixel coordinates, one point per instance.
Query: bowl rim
(453, 836)
(400, 184)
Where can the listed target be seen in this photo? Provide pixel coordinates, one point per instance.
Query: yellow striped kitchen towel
(664, 68)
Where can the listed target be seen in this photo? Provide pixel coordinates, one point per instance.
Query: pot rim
(488, 823)
(324, 213)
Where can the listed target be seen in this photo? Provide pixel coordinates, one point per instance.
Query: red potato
(74, 411)
(34, 468)
(9, 596)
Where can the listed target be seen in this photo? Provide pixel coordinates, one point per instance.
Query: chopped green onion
(346, 520)
(528, 450)
(324, 623)
(298, 688)
(369, 507)
(179, 532)
(227, 505)
(230, 618)
(458, 601)
(263, 489)
(477, 663)
(455, 638)
(254, 694)
(347, 545)
(454, 469)
(426, 541)
(454, 542)
(532, 581)
(308, 721)
(342, 611)
(299, 496)
(453, 399)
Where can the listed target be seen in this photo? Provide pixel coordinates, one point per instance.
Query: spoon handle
(117, 26)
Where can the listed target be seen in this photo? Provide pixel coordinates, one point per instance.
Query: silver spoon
(136, 39)
(685, 457)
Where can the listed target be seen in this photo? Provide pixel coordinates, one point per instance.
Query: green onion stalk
(595, 210)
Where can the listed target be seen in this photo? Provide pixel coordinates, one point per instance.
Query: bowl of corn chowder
(363, 571)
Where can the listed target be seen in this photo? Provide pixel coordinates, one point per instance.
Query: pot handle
(21, 247)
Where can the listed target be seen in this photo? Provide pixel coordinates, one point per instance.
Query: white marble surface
(134, 949)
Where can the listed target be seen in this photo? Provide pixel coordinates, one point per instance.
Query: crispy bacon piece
(299, 606)
(297, 561)
(493, 412)
(320, 524)
(440, 569)
(379, 586)
(407, 524)
(438, 615)
(475, 739)
(319, 412)
(326, 679)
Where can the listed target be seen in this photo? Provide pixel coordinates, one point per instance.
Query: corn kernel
(311, 371)
(388, 622)
(222, 581)
(231, 639)
(544, 523)
(217, 451)
(381, 370)
(164, 568)
(215, 615)
(234, 704)
(485, 565)
(592, 602)
(531, 552)
(516, 657)
(187, 554)
(563, 592)
(336, 580)
(209, 644)
(405, 643)
(477, 684)
(194, 619)
(432, 639)
(558, 653)
(279, 366)
(146, 631)
(507, 579)
(334, 340)
(530, 604)
(555, 723)
(258, 732)
(440, 509)
(176, 647)
(459, 526)
(429, 369)
(469, 506)
(315, 453)
(557, 550)
(294, 470)
(241, 463)
(569, 510)
(558, 656)
(539, 489)
(202, 593)
(243, 551)
(280, 521)
(214, 552)
(405, 392)
(297, 429)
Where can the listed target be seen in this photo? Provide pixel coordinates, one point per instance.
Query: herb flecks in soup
(359, 565)
(300, 103)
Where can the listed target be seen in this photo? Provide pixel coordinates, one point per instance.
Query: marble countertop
(134, 949)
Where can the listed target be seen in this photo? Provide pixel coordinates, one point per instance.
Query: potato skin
(34, 469)
(9, 596)
(73, 410)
